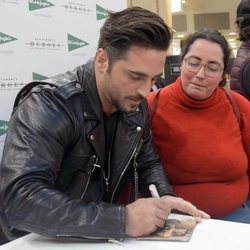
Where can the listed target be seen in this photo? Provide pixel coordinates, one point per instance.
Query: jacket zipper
(95, 165)
(125, 168)
(111, 240)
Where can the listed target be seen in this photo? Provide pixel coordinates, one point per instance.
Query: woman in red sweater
(202, 147)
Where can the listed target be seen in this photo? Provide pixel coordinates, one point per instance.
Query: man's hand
(185, 207)
(144, 216)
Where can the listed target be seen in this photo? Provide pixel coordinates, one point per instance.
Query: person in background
(240, 73)
(201, 144)
(159, 83)
(75, 140)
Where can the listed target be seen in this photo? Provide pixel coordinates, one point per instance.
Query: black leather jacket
(52, 165)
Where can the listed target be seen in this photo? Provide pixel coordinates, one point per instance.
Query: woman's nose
(201, 72)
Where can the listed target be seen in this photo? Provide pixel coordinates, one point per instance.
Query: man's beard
(122, 107)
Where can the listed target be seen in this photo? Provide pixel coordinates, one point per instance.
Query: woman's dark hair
(212, 35)
(243, 20)
(133, 26)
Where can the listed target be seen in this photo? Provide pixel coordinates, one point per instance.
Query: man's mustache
(136, 98)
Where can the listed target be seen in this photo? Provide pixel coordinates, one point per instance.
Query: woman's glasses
(212, 69)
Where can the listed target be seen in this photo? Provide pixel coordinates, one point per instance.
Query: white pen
(154, 191)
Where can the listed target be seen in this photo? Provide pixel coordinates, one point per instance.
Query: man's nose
(145, 88)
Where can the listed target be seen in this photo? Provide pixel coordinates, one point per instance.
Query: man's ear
(101, 60)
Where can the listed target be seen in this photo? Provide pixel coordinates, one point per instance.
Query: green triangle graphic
(4, 38)
(39, 4)
(3, 127)
(75, 43)
(38, 77)
(101, 13)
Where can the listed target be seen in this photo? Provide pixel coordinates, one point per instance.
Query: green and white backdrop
(41, 38)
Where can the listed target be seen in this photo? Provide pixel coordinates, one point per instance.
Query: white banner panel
(42, 38)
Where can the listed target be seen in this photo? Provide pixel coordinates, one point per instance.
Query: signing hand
(185, 206)
(144, 216)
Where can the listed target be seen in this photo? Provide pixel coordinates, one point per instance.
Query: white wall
(210, 6)
(41, 38)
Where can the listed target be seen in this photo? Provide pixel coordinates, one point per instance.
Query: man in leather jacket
(76, 139)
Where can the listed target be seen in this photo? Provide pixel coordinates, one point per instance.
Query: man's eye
(135, 77)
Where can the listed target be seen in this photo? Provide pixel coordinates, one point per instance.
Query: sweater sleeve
(244, 107)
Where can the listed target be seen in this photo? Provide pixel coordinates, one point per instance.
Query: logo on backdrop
(101, 13)
(3, 127)
(39, 4)
(38, 77)
(10, 1)
(4, 38)
(10, 83)
(42, 43)
(77, 8)
(75, 43)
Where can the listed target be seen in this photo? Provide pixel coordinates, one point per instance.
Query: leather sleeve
(38, 131)
(244, 107)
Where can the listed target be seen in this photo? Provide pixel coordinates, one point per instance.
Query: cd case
(178, 227)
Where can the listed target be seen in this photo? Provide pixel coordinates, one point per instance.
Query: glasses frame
(205, 65)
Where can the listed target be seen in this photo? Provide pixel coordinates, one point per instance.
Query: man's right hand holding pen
(145, 215)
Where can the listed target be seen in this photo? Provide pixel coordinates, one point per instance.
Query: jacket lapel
(93, 113)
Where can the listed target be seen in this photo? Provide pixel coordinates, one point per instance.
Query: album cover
(178, 227)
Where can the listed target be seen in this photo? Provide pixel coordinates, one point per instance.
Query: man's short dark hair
(133, 26)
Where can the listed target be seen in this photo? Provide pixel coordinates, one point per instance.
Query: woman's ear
(101, 60)
(223, 81)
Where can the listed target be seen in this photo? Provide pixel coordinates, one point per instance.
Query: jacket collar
(92, 105)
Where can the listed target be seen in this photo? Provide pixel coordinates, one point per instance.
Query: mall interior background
(46, 37)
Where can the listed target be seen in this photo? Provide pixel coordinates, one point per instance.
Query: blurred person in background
(240, 73)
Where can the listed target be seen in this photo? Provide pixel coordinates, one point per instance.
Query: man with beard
(76, 139)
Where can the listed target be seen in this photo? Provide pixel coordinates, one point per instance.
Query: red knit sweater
(200, 145)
